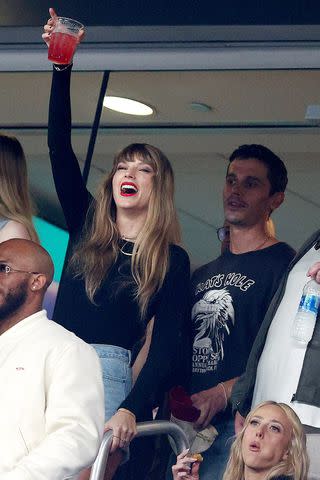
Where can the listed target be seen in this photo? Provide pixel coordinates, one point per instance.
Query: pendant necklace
(126, 240)
(124, 252)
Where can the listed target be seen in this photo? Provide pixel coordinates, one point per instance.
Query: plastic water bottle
(305, 319)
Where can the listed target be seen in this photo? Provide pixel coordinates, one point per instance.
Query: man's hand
(238, 423)
(314, 272)
(210, 402)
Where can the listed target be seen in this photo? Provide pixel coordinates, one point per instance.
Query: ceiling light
(126, 105)
(313, 113)
(200, 107)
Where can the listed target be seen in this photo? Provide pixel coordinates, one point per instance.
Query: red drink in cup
(64, 40)
(62, 47)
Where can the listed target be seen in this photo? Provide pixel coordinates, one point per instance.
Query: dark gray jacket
(308, 390)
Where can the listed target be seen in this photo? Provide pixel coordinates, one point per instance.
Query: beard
(13, 300)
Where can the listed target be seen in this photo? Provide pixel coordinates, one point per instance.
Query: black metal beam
(95, 127)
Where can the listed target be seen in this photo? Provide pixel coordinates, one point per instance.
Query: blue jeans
(117, 375)
(216, 457)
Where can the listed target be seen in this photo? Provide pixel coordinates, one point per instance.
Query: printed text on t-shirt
(221, 280)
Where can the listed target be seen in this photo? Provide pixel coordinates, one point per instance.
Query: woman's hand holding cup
(62, 36)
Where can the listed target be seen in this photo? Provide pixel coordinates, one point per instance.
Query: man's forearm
(228, 385)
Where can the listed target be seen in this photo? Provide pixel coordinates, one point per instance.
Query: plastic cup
(64, 40)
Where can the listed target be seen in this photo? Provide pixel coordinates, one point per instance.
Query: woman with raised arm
(271, 446)
(125, 270)
(15, 202)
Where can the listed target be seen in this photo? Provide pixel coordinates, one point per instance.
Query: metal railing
(144, 429)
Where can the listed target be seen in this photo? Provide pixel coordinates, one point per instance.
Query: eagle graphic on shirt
(211, 315)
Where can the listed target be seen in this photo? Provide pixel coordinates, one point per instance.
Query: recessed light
(200, 107)
(127, 105)
(313, 113)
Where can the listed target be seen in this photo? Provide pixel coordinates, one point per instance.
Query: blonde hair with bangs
(15, 201)
(296, 464)
(99, 248)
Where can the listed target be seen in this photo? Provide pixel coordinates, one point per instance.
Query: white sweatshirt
(51, 401)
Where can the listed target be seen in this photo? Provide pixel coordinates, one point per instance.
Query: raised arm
(70, 187)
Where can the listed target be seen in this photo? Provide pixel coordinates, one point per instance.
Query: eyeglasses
(223, 233)
(6, 269)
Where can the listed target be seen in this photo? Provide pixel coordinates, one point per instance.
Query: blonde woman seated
(271, 446)
(15, 203)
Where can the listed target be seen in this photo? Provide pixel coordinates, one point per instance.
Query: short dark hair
(277, 172)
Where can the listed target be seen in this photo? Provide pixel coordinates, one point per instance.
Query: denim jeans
(117, 375)
(216, 457)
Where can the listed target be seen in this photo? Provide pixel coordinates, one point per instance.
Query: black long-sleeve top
(115, 319)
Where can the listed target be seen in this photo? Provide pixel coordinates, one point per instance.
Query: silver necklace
(121, 248)
(262, 244)
(259, 246)
(128, 239)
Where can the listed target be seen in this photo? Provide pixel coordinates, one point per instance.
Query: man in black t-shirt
(231, 294)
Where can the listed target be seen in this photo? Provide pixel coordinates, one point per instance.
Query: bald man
(51, 401)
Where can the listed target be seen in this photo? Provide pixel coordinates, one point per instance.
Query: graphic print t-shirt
(230, 297)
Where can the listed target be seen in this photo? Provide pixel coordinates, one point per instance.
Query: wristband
(61, 68)
(225, 394)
